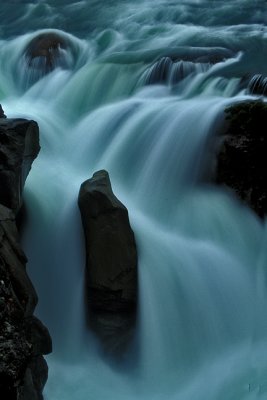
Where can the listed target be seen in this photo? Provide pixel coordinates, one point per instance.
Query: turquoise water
(201, 331)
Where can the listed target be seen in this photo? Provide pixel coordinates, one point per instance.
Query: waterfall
(141, 92)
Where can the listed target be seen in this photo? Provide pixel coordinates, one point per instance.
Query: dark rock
(15, 350)
(2, 114)
(183, 62)
(258, 85)
(27, 390)
(110, 245)
(167, 71)
(19, 146)
(38, 336)
(44, 51)
(242, 156)
(111, 260)
(39, 371)
(34, 380)
(23, 338)
(13, 261)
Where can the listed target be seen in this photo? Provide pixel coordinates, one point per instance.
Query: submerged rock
(167, 71)
(111, 261)
(258, 85)
(45, 51)
(182, 62)
(241, 161)
(19, 146)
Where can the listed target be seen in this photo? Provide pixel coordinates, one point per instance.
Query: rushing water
(141, 91)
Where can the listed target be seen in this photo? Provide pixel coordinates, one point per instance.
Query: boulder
(167, 71)
(44, 51)
(111, 260)
(241, 159)
(19, 146)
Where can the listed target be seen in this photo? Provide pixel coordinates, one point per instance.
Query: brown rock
(45, 47)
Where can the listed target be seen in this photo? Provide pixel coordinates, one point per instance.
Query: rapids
(202, 326)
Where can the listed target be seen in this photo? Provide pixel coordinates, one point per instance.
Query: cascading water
(202, 330)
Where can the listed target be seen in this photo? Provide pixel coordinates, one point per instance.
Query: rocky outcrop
(19, 146)
(111, 261)
(241, 161)
(23, 338)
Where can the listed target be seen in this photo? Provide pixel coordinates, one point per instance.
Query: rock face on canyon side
(111, 261)
(241, 161)
(19, 146)
(23, 338)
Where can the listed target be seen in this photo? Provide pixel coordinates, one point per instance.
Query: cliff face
(23, 338)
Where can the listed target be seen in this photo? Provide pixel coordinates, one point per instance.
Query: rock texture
(242, 156)
(43, 52)
(2, 114)
(19, 146)
(111, 261)
(23, 338)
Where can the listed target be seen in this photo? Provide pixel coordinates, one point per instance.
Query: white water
(202, 328)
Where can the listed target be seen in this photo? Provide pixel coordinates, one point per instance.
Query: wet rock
(241, 161)
(13, 261)
(181, 62)
(19, 146)
(258, 85)
(34, 380)
(111, 261)
(45, 51)
(38, 336)
(167, 71)
(22, 336)
(2, 114)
